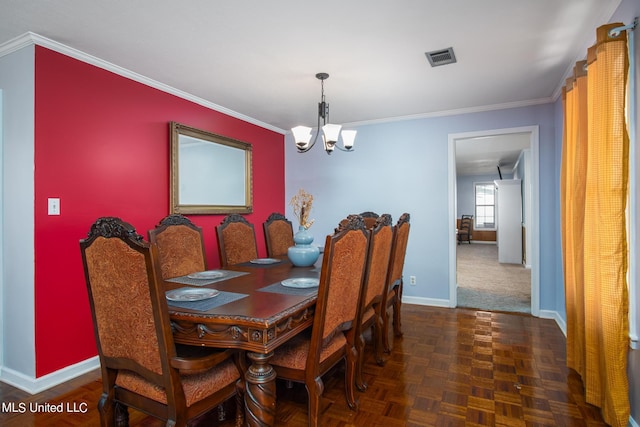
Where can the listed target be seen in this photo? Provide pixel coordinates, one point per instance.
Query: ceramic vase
(303, 254)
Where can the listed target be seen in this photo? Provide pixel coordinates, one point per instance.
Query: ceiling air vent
(441, 57)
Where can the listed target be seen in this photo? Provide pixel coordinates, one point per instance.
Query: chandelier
(330, 132)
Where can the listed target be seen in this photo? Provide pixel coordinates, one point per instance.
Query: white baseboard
(545, 314)
(36, 385)
(426, 301)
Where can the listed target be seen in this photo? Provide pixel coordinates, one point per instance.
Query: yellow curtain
(594, 181)
(574, 164)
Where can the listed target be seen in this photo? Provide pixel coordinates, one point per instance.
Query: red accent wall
(102, 147)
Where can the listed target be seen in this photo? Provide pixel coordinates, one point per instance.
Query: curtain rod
(615, 32)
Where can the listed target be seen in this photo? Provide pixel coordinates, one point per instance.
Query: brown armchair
(278, 234)
(375, 280)
(332, 339)
(180, 246)
(393, 295)
(141, 367)
(236, 240)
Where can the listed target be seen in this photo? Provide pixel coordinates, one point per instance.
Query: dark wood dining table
(257, 314)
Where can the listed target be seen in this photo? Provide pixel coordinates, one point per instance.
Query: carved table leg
(260, 396)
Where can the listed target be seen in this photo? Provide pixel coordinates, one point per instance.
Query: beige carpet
(485, 284)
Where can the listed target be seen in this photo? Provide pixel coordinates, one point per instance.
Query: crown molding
(36, 39)
(17, 43)
(30, 38)
(456, 112)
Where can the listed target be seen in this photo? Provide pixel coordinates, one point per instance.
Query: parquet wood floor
(452, 367)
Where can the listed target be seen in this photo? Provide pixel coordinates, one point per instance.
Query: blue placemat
(277, 288)
(207, 304)
(185, 280)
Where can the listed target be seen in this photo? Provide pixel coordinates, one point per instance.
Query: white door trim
(534, 215)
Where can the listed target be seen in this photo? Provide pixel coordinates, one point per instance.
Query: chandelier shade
(302, 136)
(331, 133)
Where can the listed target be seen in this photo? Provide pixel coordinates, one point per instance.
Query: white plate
(301, 282)
(264, 261)
(191, 294)
(210, 274)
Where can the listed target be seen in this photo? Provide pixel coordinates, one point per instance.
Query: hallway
(485, 284)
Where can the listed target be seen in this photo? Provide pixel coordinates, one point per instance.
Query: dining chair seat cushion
(294, 354)
(196, 386)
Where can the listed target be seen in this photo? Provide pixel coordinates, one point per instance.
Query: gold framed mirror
(210, 174)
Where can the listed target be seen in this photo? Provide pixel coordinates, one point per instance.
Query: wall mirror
(210, 174)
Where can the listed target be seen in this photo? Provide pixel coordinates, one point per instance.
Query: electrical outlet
(412, 280)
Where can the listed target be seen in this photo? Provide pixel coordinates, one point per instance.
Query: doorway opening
(484, 283)
(531, 214)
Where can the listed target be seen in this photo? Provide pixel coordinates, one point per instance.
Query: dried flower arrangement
(301, 204)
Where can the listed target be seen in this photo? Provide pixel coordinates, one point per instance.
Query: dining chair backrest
(392, 297)
(369, 219)
(398, 249)
(180, 246)
(341, 281)
(464, 230)
(236, 240)
(138, 357)
(378, 259)
(377, 265)
(123, 291)
(278, 234)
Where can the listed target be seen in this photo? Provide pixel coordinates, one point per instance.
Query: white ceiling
(259, 58)
(483, 155)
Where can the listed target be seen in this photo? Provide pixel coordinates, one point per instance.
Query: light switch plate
(54, 206)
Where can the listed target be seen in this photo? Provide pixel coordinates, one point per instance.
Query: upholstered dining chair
(375, 280)
(278, 234)
(180, 246)
(392, 298)
(369, 218)
(307, 357)
(140, 364)
(236, 240)
(181, 251)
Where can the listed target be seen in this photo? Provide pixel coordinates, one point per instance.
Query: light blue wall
(17, 337)
(402, 166)
(465, 190)
(559, 119)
